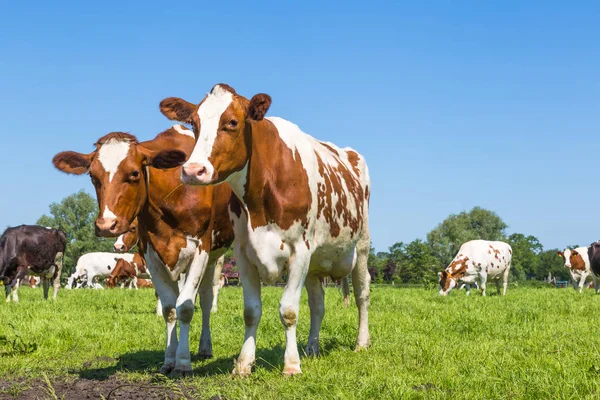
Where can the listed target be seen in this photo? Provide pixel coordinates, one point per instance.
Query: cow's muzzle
(111, 227)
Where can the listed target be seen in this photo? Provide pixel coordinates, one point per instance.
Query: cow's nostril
(201, 171)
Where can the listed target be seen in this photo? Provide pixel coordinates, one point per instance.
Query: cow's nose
(194, 170)
(106, 226)
(120, 248)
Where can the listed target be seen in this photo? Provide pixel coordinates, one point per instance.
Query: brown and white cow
(127, 270)
(183, 229)
(481, 259)
(300, 206)
(578, 262)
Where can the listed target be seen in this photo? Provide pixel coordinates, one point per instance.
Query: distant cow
(91, 265)
(127, 270)
(144, 283)
(578, 262)
(477, 259)
(33, 250)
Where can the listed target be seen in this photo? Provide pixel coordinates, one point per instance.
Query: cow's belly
(333, 260)
(496, 271)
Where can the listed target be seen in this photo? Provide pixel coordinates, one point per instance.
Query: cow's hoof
(312, 350)
(292, 370)
(166, 369)
(204, 355)
(241, 369)
(182, 371)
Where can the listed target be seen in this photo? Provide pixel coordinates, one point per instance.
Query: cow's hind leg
(15, 290)
(206, 303)
(216, 283)
(595, 278)
(316, 304)
(361, 282)
(252, 312)
(346, 290)
(45, 286)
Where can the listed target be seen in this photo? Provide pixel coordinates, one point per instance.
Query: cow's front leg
(252, 312)
(167, 292)
(58, 262)
(316, 304)
(216, 283)
(45, 286)
(595, 278)
(206, 304)
(290, 305)
(584, 276)
(15, 291)
(185, 310)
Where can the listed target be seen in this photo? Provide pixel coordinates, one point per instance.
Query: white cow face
(566, 255)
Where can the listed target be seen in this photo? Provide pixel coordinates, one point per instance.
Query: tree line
(417, 262)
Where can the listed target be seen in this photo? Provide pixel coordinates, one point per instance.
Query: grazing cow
(578, 262)
(300, 206)
(33, 250)
(481, 259)
(183, 229)
(91, 265)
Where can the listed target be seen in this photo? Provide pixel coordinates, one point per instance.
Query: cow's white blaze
(209, 112)
(111, 154)
(184, 131)
(108, 214)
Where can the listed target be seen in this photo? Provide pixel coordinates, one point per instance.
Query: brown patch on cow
(479, 264)
(577, 261)
(496, 253)
(510, 251)
(333, 179)
(330, 148)
(281, 247)
(118, 137)
(353, 159)
(289, 317)
(172, 316)
(367, 194)
(456, 270)
(307, 244)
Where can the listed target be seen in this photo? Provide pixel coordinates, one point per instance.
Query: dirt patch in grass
(111, 388)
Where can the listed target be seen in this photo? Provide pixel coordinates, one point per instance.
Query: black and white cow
(33, 250)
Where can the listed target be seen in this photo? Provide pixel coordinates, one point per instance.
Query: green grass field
(534, 343)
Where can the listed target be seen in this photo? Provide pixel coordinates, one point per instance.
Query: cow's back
(490, 257)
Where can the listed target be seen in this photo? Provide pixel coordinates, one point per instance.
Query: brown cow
(302, 207)
(183, 229)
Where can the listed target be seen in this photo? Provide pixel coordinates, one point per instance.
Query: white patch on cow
(209, 112)
(108, 214)
(111, 154)
(184, 131)
(120, 241)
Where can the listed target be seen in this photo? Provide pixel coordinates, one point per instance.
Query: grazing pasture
(533, 343)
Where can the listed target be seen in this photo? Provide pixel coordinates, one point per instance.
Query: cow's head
(221, 123)
(571, 258)
(118, 171)
(447, 282)
(128, 240)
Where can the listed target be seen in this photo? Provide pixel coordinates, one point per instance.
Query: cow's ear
(167, 159)
(439, 274)
(258, 107)
(177, 109)
(560, 254)
(72, 162)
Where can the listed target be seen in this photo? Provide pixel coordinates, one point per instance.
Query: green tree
(552, 264)
(75, 215)
(448, 236)
(418, 263)
(525, 257)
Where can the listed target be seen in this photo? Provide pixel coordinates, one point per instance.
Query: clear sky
(453, 103)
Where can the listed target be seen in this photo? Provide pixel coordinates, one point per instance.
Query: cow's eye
(233, 123)
(135, 174)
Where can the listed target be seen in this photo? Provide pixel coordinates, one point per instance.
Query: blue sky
(454, 104)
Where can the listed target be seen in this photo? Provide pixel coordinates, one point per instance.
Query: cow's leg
(206, 303)
(346, 290)
(45, 286)
(58, 262)
(498, 286)
(483, 279)
(584, 276)
(289, 307)
(7, 289)
(316, 304)
(185, 309)
(167, 291)
(595, 278)
(134, 281)
(468, 288)
(252, 312)
(361, 282)
(505, 280)
(216, 284)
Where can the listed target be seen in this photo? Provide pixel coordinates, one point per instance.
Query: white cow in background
(91, 265)
(477, 259)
